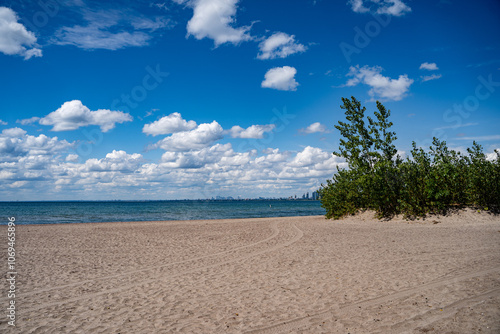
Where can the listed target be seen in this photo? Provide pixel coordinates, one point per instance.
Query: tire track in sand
(448, 311)
(310, 320)
(298, 235)
(107, 277)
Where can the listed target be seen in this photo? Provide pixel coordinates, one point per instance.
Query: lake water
(94, 212)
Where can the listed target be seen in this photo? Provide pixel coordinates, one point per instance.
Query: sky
(139, 100)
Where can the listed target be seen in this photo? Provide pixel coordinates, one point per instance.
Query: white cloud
(492, 156)
(115, 161)
(199, 158)
(389, 7)
(73, 115)
(254, 131)
(281, 78)
(202, 136)
(3, 122)
(456, 126)
(358, 7)
(15, 142)
(72, 158)
(430, 77)
(382, 87)
(28, 121)
(214, 19)
(92, 37)
(480, 138)
(314, 127)
(13, 133)
(428, 66)
(144, 23)
(197, 173)
(279, 45)
(15, 39)
(18, 184)
(393, 7)
(110, 30)
(309, 156)
(168, 124)
(192, 166)
(271, 157)
(160, 5)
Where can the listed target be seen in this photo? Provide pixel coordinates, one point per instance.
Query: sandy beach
(266, 275)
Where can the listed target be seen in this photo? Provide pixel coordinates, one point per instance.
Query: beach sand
(268, 275)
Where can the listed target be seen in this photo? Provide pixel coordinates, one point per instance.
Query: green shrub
(426, 182)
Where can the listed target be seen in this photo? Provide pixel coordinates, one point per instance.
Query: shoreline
(304, 274)
(460, 214)
(165, 221)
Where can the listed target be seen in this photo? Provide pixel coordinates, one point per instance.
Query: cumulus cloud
(114, 161)
(202, 136)
(199, 158)
(31, 120)
(15, 39)
(111, 30)
(214, 19)
(72, 157)
(314, 127)
(389, 7)
(3, 122)
(13, 133)
(281, 78)
(381, 87)
(309, 156)
(15, 142)
(279, 45)
(430, 77)
(493, 155)
(254, 131)
(197, 173)
(73, 115)
(272, 156)
(168, 124)
(428, 66)
(192, 166)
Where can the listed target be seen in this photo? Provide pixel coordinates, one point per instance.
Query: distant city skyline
(158, 100)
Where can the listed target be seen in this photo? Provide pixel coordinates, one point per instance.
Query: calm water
(90, 212)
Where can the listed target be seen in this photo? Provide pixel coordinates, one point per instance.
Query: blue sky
(199, 98)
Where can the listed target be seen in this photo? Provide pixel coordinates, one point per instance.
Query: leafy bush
(427, 182)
